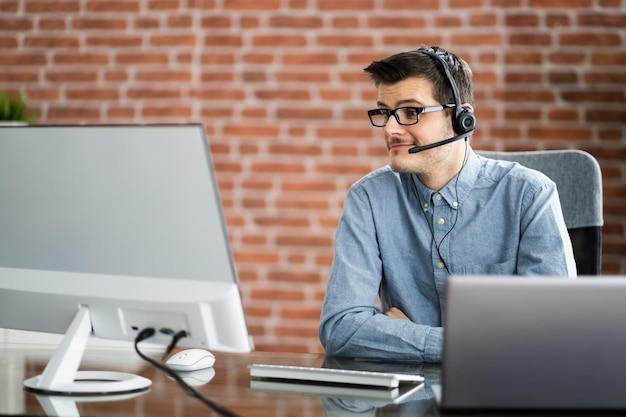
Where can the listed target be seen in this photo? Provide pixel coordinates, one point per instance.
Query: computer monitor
(107, 230)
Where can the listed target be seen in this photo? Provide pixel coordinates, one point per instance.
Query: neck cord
(456, 216)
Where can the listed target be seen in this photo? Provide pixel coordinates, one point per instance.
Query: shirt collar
(457, 189)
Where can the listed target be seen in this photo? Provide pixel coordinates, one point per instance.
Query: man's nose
(393, 126)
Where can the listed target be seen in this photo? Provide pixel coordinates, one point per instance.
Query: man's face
(432, 127)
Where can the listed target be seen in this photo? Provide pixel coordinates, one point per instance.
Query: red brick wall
(280, 89)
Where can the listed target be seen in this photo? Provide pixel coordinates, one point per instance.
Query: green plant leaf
(13, 108)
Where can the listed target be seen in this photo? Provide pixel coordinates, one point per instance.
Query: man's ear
(467, 106)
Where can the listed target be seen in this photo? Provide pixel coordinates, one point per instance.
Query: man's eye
(409, 112)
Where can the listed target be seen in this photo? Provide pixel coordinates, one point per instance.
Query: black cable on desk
(189, 390)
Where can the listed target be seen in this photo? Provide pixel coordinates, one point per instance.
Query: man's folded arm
(372, 335)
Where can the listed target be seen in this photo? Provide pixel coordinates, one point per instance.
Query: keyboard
(334, 376)
(381, 395)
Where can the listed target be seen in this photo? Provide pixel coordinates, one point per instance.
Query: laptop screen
(534, 343)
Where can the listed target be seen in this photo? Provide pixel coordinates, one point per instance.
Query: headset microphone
(417, 149)
(464, 120)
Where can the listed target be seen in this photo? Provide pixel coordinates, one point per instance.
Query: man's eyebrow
(400, 103)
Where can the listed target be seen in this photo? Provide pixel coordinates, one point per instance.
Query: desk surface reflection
(228, 383)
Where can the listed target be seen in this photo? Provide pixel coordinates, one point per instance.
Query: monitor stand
(61, 375)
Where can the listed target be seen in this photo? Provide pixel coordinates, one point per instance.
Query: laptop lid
(534, 343)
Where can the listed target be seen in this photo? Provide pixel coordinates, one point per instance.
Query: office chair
(579, 182)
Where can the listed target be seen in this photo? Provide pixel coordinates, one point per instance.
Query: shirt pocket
(507, 267)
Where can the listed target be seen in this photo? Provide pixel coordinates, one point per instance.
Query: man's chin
(403, 167)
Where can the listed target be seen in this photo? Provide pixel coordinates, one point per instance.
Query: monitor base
(61, 375)
(92, 383)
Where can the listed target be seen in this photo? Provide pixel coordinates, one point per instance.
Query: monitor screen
(125, 221)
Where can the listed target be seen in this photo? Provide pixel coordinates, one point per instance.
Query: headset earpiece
(464, 121)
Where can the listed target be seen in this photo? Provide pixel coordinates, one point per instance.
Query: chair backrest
(579, 182)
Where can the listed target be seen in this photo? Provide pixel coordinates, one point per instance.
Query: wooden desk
(230, 387)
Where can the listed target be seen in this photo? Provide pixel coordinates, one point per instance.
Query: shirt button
(440, 265)
(425, 205)
(438, 196)
(441, 221)
(455, 204)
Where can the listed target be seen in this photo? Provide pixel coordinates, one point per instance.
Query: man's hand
(396, 313)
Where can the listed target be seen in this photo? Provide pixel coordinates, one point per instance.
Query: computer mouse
(190, 360)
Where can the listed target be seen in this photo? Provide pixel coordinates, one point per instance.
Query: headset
(464, 120)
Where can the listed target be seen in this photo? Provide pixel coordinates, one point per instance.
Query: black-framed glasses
(404, 115)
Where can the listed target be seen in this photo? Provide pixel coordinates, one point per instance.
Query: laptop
(522, 343)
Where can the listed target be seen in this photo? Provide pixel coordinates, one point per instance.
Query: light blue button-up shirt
(399, 241)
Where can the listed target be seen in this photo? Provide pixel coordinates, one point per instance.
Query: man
(433, 211)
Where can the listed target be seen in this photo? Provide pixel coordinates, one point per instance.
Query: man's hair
(418, 64)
